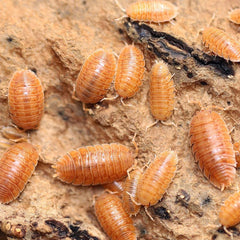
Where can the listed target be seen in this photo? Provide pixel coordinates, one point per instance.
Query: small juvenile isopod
(95, 76)
(236, 148)
(16, 167)
(130, 191)
(116, 187)
(130, 70)
(212, 148)
(229, 214)
(161, 91)
(220, 43)
(234, 16)
(92, 165)
(25, 99)
(157, 11)
(113, 219)
(157, 178)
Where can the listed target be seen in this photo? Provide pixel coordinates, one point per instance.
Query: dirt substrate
(53, 38)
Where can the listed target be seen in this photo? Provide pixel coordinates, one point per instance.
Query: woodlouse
(130, 191)
(16, 167)
(234, 16)
(229, 214)
(95, 76)
(25, 99)
(236, 148)
(220, 43)
(92, 165)
(157, 178)
(157, 11)
(115, 187)
(130, 70)
(113, 219)
(161, 91)
(212, 148)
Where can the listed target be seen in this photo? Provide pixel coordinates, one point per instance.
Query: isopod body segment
(161, 91)
(220, 43)
(130, 70)
(130, 192)
(113, 219)
(229, 213)
(212, 148)
(95, 76)
(16, 167)
(25, 99)
(234, 16)
(116, 187)
(236, 148)
(92, 165)
(157, 11)
(157, 178)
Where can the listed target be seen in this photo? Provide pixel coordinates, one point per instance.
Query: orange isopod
(25, 99)
(16, 167)
(161, 91)
(92, 165)
(95, 76)
(152, 11)
(157, 178)
(130, 191)
(115, 187)
(220, 43)
(113, 219)
(234, 16)
(212, 148)
(236, 148)
(130, 70)
(229, 214)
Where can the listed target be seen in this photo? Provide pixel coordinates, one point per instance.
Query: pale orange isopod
(220, 43)
(113, 219)
(152, 11)
(16, 167)
(161, 91)
(212, 148)
(95, 76)
(130, 192)
(116, 187)
(130, 70)
(92, 165)
(229, 214)
(236, 148)
(157, 178)
(234, 16)
(25, 99)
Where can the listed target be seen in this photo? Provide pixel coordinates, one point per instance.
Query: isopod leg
(151, 125)
(228, 232)
(147, 212)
